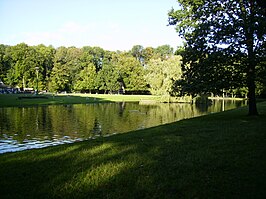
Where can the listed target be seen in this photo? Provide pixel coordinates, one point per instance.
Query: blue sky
(110, 24)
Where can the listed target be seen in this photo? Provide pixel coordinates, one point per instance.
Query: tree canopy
(224, 45)
(87, 69)
(162, 74)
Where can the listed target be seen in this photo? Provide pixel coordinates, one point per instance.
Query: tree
(96, 54)
(161, 75)
(137, 52)
(5, 62)
(131, 72)
(108, 78)
(86, 79)
(224, 39)
(67, 64)
(60, 79)
(45, 59)
(148, 54)
(164, 51)
(24, 60)
(261, 80)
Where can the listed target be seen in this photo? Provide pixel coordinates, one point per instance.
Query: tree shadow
(18, 100)
(168, 161)
(71, 99)
(102, 168)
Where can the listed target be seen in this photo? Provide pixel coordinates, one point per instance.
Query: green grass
(214, 156)
(14, 99)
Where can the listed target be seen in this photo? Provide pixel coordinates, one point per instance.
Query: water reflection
(36, 127)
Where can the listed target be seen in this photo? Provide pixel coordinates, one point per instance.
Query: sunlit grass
(215, 156)
(50, 99)
(116, 98)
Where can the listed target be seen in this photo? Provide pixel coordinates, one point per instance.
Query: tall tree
(67, 64)
(131, 72)
(164, 51)
(45, 59)
(226, 37)
(161, 75)
(108, 78)
(137, 52)
(96, 54)
(23, 66)
(86, 79)
(60, 79)
(148, 53)
(5, 62)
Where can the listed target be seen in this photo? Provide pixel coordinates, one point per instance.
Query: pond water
(24, 128)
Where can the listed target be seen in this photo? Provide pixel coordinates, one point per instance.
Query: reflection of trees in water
(121, 106)
(223, 104)
(90, 120)
(166, 113)
(22, 122)
(5, 121)
(97, 128)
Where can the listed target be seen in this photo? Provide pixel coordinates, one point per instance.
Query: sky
(109, 24)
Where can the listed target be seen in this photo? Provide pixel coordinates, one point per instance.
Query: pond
(24, 128)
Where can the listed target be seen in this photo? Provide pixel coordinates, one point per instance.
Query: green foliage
(261, 80)
(108, 78)
(67, 63)
(148, 53)
(225, 41)
(61, 74)
(5, 62)
(164, 51)
(137, 52)
(96, 54)
(131, 72)
(161, 75)
(86, 79)
(143, 55)
(24, 60)
(87, 69)
(45, 57)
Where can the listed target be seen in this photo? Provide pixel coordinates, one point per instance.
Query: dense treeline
(90, 69)
(95, 70)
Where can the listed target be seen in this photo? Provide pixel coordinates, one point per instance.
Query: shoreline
(189, 158)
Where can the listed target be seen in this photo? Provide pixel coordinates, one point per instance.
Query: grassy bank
(215, 156)
(29, 99)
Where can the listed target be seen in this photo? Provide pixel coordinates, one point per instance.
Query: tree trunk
(251, 63)
(251, 81)
(252, 107)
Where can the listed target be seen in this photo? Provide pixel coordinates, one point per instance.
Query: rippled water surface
(24, 128)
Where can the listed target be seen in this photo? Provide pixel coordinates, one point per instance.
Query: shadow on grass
(214, 156)
(47, 99)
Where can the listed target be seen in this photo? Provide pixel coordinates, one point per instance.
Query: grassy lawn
(28, 100)
(214, 156)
